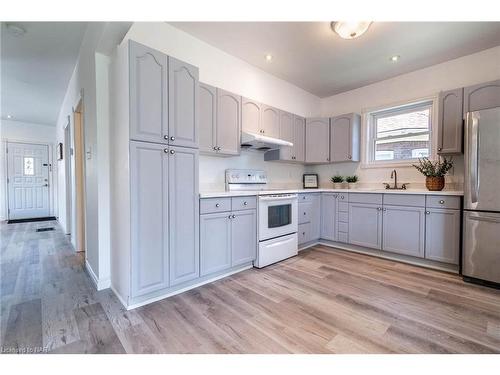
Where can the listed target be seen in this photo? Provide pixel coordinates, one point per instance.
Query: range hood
(252, 141)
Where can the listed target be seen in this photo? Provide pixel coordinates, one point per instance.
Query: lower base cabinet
(227, 239)
(365, 225)
(329, 216)
(404, 230)
(442, 235)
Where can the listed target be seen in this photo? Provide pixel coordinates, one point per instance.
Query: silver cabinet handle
(304, 214)
(349, 157)
(165, 137)
(229, 217)
(233, 216)
(217, 205)
(427, 212)
(172, 138)
(165, 150)
(341, 197)
(379, 208)
(218, 148)
(215, 148)
(45, 184)
(439, 148)
(441, 201)
(384, 209)
(245, 203)
(172, 152)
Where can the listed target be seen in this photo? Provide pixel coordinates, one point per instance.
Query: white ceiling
(311, 56)
(36, 69)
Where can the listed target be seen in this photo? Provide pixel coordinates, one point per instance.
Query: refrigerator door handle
(473, 126)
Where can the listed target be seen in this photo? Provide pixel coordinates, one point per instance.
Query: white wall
(11, 130)
(468, 70)
(220, 69)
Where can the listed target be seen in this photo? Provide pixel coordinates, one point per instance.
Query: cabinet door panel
(450, 122)
(149, 218)
(183, 214)
(243, 237)
(215, 242)
(329, 217)
(299, 144)
(148, 77)
(482, 96)
(365, 225)
(317, 140)
(208, 118)
(340, 139)
(183, 103)
(228, 123)
(250, 116)
(315, 216)
(270, 121)
(404, 230)
(287, 133)
(442, 235)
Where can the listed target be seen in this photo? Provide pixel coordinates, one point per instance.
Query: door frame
(68, 155)
(52, 190)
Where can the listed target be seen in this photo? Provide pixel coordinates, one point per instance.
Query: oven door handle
(268, 198)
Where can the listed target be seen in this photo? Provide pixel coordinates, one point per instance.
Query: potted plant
(434, 172)
(352, 181)
(337, 182)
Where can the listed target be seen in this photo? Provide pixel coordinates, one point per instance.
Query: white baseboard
(99, 284)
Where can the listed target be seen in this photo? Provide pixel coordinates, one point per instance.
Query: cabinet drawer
(304, 233)
(343, 227)
(243, 203)
(443, 201)
(343, 206)
(305, 212)
(342, 237)
(405, 200)
(343, 217)
(210, 205)
(304, 197)
(365, 198)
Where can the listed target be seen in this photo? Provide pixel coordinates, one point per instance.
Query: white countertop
(217, 194)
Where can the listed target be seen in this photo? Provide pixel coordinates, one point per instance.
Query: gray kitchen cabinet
(208, 118)
(148, 93)
(215, 242)
(149, 235)
(345, 133)
(483, 96)
(450, 122)
(227, 140)
(309, 220)
(329, 216)
(243, 237)
(317, 140)
(299, 145)
(404, 230)
(183, 96)
(270, 121)
(442, 235)
(251, 116)
(365, 225)
(315, 216)
(183, 214)
(287, 133)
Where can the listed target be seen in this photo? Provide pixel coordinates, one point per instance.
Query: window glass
(29, 166)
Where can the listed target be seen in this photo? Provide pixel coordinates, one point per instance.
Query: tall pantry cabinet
(154, 179)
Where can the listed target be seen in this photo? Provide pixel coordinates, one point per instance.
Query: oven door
(277, 216)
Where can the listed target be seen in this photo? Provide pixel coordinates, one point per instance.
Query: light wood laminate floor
(322, 301)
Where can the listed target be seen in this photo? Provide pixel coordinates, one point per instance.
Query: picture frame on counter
(310, 181)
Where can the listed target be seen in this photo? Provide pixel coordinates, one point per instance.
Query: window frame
(370, 117)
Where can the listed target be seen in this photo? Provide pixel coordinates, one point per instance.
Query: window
(399, 135)
(29, 169)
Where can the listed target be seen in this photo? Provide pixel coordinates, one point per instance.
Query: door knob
(349, 157)
(172, 152)
(215, 148)
(172, 138)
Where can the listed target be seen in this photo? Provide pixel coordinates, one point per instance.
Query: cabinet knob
(341, 197)
(303, 233)
(439, 148)
(304, 197)
(441, 201)
(304, 214)
(233, 216)
(218, 148)
(229, 217)
(349, 157)
(215, 148)
(172, 138)
(172, 152)
(385, 209)
(379, 208)
(165, 150)
(165, 137)
(217, 205)
(245, 203)
(427, 212)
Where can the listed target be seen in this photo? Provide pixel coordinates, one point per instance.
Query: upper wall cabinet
(482, 96)
(251, 116)
(183, 104)
(292, 129)
(317, 140)
(345, 137)
(148, 75)
(208, 118)
(299, 141)
(287, 133)
(228, 123)
(270, 121)
(450, 123)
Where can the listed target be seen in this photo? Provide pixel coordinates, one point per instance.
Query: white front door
(28, 180)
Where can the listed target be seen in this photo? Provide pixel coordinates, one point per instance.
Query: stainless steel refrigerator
(481, 238)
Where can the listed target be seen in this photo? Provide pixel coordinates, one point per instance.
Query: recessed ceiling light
(15, 30)
(350, 30)
(269, 57)
(395, 58)
(9, 116)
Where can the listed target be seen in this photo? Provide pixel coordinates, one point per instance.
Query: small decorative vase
(337, 185)
(352, 185)
(434, 183)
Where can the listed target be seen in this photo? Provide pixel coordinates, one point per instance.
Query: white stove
(277, 216)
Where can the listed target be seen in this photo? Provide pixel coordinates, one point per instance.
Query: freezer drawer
(481, 246)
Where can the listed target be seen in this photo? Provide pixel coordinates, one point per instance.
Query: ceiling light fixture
(15, 30)
(269, 57)
(350, 30)
(9, 116)
(395, 58)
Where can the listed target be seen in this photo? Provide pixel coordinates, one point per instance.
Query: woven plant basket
(434, 183)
